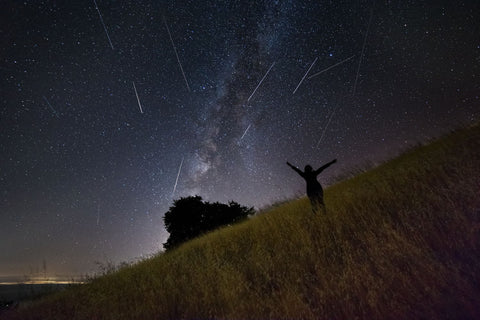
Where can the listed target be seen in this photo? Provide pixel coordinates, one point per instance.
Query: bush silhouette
(191, 217)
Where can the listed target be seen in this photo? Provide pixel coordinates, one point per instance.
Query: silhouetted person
(314, 189)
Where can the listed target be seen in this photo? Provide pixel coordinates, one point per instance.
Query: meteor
(54, 112)
(138, 99)
(336, 64)
(104, 27)
(178, 175)
(305, 75)
(325, 129)
(176, 54)
(245, 132)
(363, 52)
(261, 81)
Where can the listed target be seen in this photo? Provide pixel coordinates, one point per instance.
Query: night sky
(87, 170)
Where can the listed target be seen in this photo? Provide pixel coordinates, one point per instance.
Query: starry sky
(87, 169)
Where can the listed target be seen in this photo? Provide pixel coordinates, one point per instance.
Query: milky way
(196, 97)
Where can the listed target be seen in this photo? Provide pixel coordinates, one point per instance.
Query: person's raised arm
(325, 166)
(300, 172)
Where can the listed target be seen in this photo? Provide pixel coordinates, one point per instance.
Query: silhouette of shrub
(191, 217)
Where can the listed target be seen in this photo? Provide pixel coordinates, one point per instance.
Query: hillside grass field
(401, 241)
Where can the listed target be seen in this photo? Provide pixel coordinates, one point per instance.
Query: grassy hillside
(401, 241)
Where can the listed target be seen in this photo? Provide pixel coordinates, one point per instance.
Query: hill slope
(399, 242)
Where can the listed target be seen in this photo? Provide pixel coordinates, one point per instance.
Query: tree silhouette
(190, 217)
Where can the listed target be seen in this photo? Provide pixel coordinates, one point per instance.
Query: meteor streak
(54, 112)
(324, 130)
(176, 54)
(261, 81)
(363, 52)
(138, 99)
(336, 64)
(104, 27)
(178, 175)
(305, 75)
(245, 132)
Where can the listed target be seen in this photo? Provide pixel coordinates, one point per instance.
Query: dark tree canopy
(190, 217)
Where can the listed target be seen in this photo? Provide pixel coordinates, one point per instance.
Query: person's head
(308, 168)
